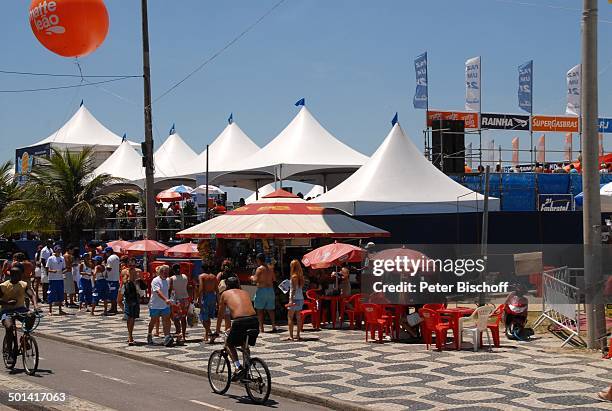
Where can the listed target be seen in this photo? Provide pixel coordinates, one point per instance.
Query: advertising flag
(525, 88)
(488, 156)
(468, 155)
(541, 158)
(515, 151)
(567, 149)
(472, 84)
(421, 94)
(573, 91)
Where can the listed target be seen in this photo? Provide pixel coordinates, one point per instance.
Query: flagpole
(206, 214)
(480, 105)
(531, 116)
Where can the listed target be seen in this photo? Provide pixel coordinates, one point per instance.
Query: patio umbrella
(175, 193)
(145, 247)
(605, 192)
(187, 250)
(282, 215)
(212, 190)
(333, 254)
(119, 246)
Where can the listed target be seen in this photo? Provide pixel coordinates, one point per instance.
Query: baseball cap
(57, 248)
(108, 250)
(97, 259)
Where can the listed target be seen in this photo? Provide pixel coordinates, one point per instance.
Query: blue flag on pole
(395, 120)
(525, 88)
(300, 102)
(230, 119)
(81, 105)
(420, 94)
(124, 138)
(172, 130)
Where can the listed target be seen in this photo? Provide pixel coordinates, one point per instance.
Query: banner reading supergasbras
(470, 119)
(564, 124)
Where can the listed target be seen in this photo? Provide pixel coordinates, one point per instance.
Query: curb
(284, 392)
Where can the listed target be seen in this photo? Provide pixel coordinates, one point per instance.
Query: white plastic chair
(476, 324)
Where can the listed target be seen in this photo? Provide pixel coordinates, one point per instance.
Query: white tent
(316, 190)
(170, 156)
(263, 191)
(305, 148)
(125, 163)
(84, 130)
(398, 179)
(606, 198)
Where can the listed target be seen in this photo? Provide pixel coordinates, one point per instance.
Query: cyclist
(12, 296)
(244, 318)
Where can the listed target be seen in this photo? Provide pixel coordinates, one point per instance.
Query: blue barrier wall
(519, 191)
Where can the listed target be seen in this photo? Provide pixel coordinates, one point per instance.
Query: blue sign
(420, 95)
(605, 125)
(525, 88)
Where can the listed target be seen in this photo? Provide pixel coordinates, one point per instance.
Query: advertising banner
(567, 148)
(605, 125)
(420, 94)
(541, 154)
(515, 151)
(470, 119)
(573, 91)
(525, 87)
(554, 124)
(555, 202)
(472, 84)
(494, 121)
(25, 159)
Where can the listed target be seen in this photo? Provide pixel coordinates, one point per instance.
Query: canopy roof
(282, 215)
(398, 179)
(171, 155)
(83, 130)
(304, 147)
(263, 191)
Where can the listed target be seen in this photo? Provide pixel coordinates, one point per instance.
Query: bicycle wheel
(29, 352)
(259, 381)
(9, 356)
(219, 372)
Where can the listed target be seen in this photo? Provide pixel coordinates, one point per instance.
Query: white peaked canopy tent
(83, 130)
(263, 191)
(305, 151)
(316, 190)
(398, 179)
(170, 156)
(125, 163)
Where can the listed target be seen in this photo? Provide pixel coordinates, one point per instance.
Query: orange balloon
(70, 28)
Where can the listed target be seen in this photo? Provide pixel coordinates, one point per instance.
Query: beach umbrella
(186, 250)
(605, 192)
(333, 254)
(176, 193)
(212, 190)
(119, 246)
(145, 247)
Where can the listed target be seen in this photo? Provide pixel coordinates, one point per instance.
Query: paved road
(123, 384)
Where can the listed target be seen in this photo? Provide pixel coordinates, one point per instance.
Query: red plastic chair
(313, 296)
(373, 322)
(432, 323)
(496, 315)
(314, 314)
(354, 314)
(434, 307)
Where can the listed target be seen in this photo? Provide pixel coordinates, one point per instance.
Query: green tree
(61, 196)
(8, 184)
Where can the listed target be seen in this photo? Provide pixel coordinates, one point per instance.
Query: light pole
(591, 214)
(147, 148)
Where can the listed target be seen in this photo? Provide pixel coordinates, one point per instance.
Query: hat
(108, 250)
(85, 255)
(97, 259)
(57, 248)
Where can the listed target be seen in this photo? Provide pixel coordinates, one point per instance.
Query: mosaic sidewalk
(390, 376)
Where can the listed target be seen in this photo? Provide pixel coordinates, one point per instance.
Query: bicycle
(257, 380)
(26, 346)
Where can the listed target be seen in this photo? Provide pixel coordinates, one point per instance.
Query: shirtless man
(207, 296)
(264, 296)
(243, 315)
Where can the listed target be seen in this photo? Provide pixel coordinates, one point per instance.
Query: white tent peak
(125, 162)
(398, 179)
(170, 156)
(304, 145)
(82, 130)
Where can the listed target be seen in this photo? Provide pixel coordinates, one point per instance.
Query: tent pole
(256, 190)
(206, 201)
(324, 183)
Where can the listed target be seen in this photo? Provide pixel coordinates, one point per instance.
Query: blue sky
(352, 60)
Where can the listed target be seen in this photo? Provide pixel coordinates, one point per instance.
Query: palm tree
(61, 196)
(8, 184)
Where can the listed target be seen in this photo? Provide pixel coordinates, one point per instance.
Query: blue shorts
(208, 306)
(56, 291)
(264, 298)
(113, 290)
(85, 290)
(101, 291)
(159, 312)
(4, 313)
(299, 304)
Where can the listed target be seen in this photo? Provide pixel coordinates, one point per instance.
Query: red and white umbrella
(145, 247)
(186, 250)
(176, 193)
(333, 254)
(119, 246)
(282, 215)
